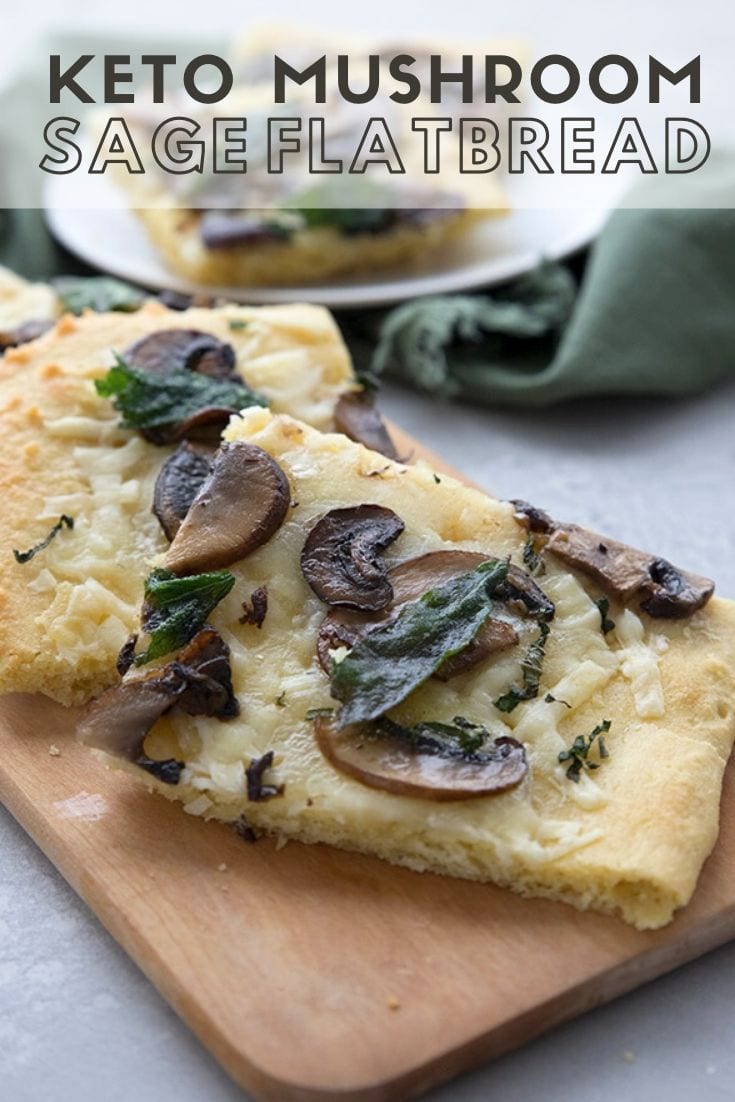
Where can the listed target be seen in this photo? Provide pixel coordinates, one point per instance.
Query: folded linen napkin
(655, 314)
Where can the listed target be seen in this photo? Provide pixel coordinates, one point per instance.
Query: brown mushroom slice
(237, 509)
(179, 481)
(629, 574)
(410, 580)
(176, 349)
(341, 559)
(198, 680)
(22, 334)
(356, 416)
(378, 759)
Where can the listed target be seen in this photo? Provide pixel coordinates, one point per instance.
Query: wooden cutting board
(312, 974)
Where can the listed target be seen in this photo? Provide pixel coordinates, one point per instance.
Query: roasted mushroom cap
(198, 681)
(341, 556)
(179, 481)
(629, 574)
(356, 416)
(238, 508)
(372, 754)
(170, 350)
(410, 580)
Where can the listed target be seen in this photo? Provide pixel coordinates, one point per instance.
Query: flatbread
(629, 839)
(65, 614)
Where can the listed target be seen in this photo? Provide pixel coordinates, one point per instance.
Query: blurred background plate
(499, 249)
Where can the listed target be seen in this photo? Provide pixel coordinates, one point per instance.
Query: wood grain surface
(312, 974)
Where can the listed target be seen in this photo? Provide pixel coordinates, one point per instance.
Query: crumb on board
(222, 867)
(54, 751)
(628, 1056)
(393, 1002)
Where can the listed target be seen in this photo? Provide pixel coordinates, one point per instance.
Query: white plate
(494, 251)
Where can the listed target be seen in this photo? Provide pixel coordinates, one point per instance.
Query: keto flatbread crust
(65, 614)
(630, 838)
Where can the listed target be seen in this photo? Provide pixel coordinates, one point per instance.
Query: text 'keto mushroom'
(239, 506)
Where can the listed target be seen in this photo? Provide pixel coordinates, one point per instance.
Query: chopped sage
(63, 522)
(148, 401)
(314, 713)
(551, 699)
(531, 666)
(385, 666)
(578, 753)
(606, 623)
(177, 608)
(460, 738)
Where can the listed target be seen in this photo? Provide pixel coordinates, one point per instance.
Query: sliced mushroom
(237, 509)
(198, 681)
(341, 556)
(520, 586)
(378, 758)
(179, 481)
(170, 350)
(356, 416)
(410, 580)
(631, 575)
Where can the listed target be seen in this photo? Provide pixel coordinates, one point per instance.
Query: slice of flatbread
(629, 837)
(65, 613)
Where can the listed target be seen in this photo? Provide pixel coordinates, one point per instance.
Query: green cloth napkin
(655, 314)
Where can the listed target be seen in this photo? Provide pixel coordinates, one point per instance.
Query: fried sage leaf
(148, 401)
(389, 663)
(176, 608)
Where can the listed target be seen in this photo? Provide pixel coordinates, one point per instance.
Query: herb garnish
(176, 608)
(314, 713)
(460, 738)
(606, 623)
(531, 665)
(237, 325)
(578, 752)
(550, 699)
(531, 557)
(98, 293)
(148, 401)
(256, 789)
(392, 660)
(168, 771)
(63, 522)
(281, 700)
